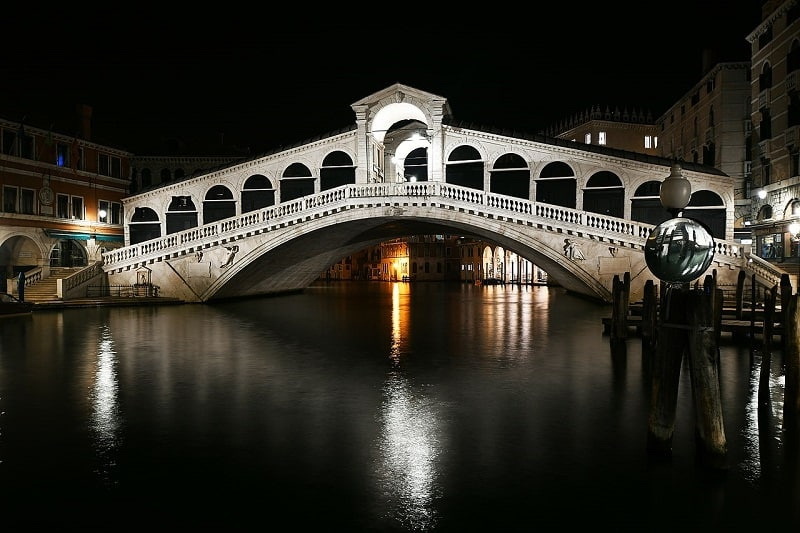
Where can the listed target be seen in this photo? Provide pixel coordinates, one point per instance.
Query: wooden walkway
(739, 318)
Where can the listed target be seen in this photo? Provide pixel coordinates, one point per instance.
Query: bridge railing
(592, 224)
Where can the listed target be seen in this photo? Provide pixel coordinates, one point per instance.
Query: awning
(82, 236)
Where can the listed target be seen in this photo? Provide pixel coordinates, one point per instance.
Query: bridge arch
(296, 181)
(337, 168)
(646, 204)
(21, 252)
(510, 174)
(604, 193)
(557, 184)
(258, 191)
(319, 243)
(466, 166)
(181, 214)
(386, 114)
(218, 203)
(144, 225)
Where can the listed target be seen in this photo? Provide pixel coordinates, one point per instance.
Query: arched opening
(68, 253)
(144, 225)
(708, 208)
(556, 185)
(257, 193)
(181, 214)
(511, 177)
(604, 194)
(646, 204)
(465, 168)
(296, 182)
(218, 204)
(337, 169)
(17, 254)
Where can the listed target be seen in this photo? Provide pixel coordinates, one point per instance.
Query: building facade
(632, 131)
(775, 135)
(61, 198)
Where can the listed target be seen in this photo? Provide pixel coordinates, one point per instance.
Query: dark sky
(266, 80)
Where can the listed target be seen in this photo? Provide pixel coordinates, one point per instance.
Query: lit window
(648, 141)
(601, 138)
(587, 138)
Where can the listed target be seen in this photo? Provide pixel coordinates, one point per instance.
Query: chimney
(85, 121)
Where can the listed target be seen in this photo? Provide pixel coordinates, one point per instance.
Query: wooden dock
(740, 319)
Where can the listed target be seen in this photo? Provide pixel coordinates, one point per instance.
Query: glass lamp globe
(679, 250)
(676, 191)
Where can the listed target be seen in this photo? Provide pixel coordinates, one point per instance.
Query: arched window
(181, 214)
(557, 185)
(646, 204)
(218, 204)
(257, 193)
(604, 194)
(296, 182)
(708, 208)
(415, 165)
(144, 225)
(337, 169)
(765, 78)
(510, 176)
(465, 168)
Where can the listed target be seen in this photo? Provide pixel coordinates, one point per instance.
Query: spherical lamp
(679, 250)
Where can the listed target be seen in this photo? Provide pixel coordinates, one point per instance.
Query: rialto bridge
(272, 224)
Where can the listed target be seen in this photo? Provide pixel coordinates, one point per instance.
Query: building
(61, 198)
(632, 131)
(710, 125)
(775, 138)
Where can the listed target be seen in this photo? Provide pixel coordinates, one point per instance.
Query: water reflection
(763, 414)
(409, 445)
(105, 417)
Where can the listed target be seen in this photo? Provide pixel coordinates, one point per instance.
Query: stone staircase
(45, 290)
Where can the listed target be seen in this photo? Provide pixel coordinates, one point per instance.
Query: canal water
(369, 406)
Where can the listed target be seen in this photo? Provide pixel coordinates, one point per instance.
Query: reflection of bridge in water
(273, 224)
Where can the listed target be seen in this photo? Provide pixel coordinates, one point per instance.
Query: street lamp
(794, 229)
(676, 191)
(679, 249)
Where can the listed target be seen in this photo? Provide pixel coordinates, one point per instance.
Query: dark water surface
(368, 407)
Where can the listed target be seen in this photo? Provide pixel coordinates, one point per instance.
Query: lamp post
(794, 229)
(679, 249)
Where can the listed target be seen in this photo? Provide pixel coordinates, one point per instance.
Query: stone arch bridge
(285, 247)
(274, 223)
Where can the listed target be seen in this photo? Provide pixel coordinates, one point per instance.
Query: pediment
(400, 93)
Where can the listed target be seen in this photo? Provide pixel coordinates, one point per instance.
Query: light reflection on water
(105, 418)
(409, 449)
(409, 443)
(383, 407)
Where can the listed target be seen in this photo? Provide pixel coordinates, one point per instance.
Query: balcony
(764, 149)
(763, 99)
(790, 137)
(791, 80)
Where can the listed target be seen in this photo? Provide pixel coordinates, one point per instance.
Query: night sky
(261, 81)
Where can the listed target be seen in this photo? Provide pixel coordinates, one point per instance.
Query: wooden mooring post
(791, 400)
(649, 316)
(620, 297)
(687, 326)
(766, 348)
